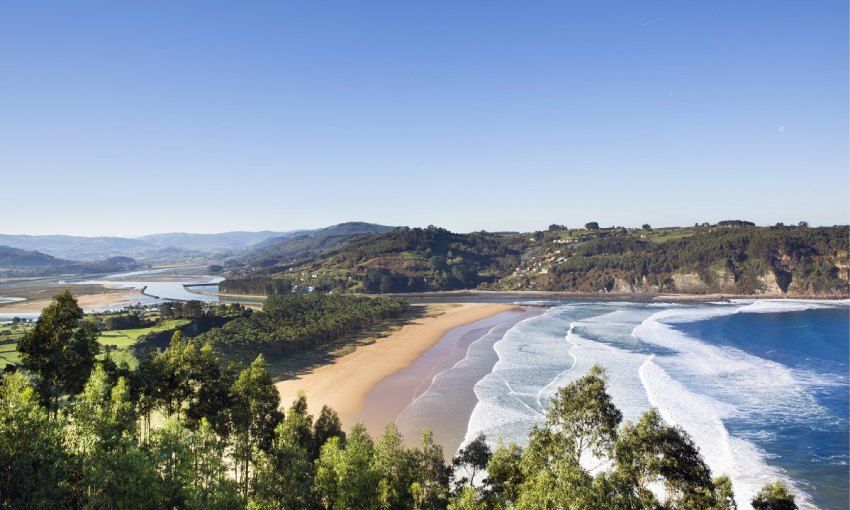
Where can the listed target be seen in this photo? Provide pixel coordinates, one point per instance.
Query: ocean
(761, 386)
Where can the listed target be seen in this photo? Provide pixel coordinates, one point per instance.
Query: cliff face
(689, 283)
(742, 261)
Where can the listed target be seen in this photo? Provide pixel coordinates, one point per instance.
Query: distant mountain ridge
(18, 262)
(78, 247)
(262, 245)
(305, 244)
(224, 241)
(154, 246)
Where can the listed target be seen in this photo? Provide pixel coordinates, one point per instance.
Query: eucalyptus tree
(430, 491)
(254, 416)
(505, 474)
(472, 459)
(114, 472)
(650, 452)
(345, 476)
(395, 465)
(33, 463)
(583, 418)
(60, 350)
(466, 499)
(327, 425)
(191, 468)
(283, 476)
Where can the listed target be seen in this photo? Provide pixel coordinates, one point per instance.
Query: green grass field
(119, 341)
(122, 339)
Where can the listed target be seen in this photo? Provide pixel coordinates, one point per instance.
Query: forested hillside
(732, 257)
(298, 322)
(265, 256)
(413, 259)
(740, 260)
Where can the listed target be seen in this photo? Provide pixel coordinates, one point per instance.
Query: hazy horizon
(309, 228)
(135, 119)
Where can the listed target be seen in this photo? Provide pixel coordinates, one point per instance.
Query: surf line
(570, 333)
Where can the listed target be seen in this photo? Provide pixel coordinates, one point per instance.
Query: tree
(191, 468)
(504, 473)
(33, 463)
(651, 452)
(166, 310)
(210, 486)
(723, 494)
(466, 499)
(431, 488)
(193, 309)
(209, 383)
(145, 383)
(254, 415)
(591, 225)
(170, 450)
(174, 369)
(395, 466)
(114, 471)
(646, 226)
(327, 426)
(60, 350)
(299, 424)
(345, 477)
(283, 478)
(584, 417)
(562, 484)
(774, 496)
(472, 459)
(103, 416)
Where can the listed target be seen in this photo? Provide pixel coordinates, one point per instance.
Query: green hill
(18, 262)
(733, 257)
(284, 250)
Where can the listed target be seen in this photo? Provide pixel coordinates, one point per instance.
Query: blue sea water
(812, 448)
(761, 386)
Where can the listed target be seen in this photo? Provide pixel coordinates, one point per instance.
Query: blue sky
(132, 118)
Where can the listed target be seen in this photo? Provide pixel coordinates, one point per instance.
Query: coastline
(640, 297)
(478, 296)
(344, 383)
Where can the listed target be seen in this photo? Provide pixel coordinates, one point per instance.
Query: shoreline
(641, 297)
(344, 383)
(90, 302)
(438, 391)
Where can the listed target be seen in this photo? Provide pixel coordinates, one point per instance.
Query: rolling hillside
(17, 262)
(731, 258)
(284, 250)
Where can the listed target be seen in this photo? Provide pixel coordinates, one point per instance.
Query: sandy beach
(344, 383)
(88, 302)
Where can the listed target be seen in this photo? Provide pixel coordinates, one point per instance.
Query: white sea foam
(695, 385)
(702, 417)
(724, 382)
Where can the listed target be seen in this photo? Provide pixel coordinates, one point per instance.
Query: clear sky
(138, 117)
